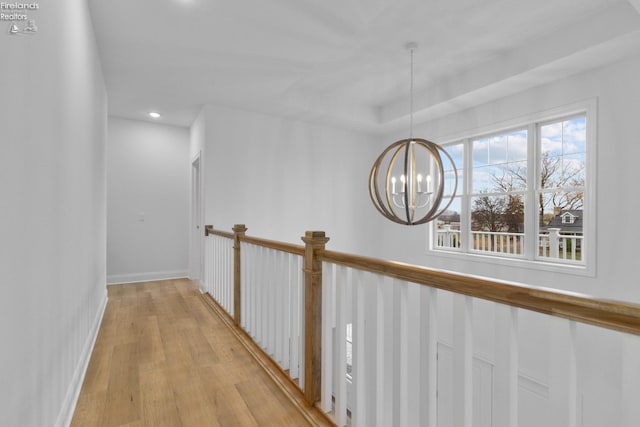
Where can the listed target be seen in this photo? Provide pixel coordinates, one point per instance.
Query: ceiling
(343, 62)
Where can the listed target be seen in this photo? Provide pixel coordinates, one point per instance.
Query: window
(521, 193)
(567, 218)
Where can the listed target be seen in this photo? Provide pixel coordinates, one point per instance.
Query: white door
(197, 228)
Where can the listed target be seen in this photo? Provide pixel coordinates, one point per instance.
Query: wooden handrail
(209, 230)
(610, 314)
(615, 315)
(272, 244)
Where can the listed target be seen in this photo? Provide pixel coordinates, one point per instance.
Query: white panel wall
(148, 201)
(52, 213)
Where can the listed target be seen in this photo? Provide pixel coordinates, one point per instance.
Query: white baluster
(225, 289)
(410, 355)
(207, 267)
(388, 353)
(271, 315)
(340, 350)
(230, 267)
(250, 265)
(278, 296)
(224, 270)
(563, 373)
(369, 298)
(630, 381)
(429, 350)
(294, 317)
(255, 283)
(260, 303)
(462, 361)
(219, 269)
(285, 305)
(214, 266)
(328, 302)
(217, 264)
(358, 356)
(301, 296)
(223, 273)
(273, 308)
(506, 366)
(275, 304)
(264, 297)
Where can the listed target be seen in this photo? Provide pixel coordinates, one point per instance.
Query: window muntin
(497, 201)
(448, 224)
(561, 179)
(499, 163)
(519, 181)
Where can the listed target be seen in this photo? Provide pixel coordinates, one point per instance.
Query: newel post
(315, 242)
(238, 231)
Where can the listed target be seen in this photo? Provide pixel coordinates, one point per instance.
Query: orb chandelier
(408, 179)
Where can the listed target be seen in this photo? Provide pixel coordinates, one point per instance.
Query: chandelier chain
(411, 100)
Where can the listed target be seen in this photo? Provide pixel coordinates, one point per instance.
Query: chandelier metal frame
(401, 207)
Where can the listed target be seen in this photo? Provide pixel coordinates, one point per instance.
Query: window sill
(516, 262)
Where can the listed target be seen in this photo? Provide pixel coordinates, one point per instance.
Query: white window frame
(568, 218)
(530, 259)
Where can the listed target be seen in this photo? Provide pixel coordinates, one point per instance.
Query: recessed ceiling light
(154, 114)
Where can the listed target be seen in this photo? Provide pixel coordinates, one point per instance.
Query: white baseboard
(117, 279)
(73, 392)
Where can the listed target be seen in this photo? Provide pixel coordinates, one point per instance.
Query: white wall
(279, 176)
(617, 175)
(52, 213)
(148, 196)
(601, 376)
(282, 177)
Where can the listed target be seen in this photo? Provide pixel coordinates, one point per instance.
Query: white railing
(272, 305)
(404, 345)
(392, 380)
(550, 245)
(270, 282)
(498, 242)
(218, 270)
(447, 237)
(423, 356)
(563, 246)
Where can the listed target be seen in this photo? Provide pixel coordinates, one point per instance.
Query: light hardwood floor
(163, 358)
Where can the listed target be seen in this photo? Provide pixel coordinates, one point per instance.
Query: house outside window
(523, 192)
